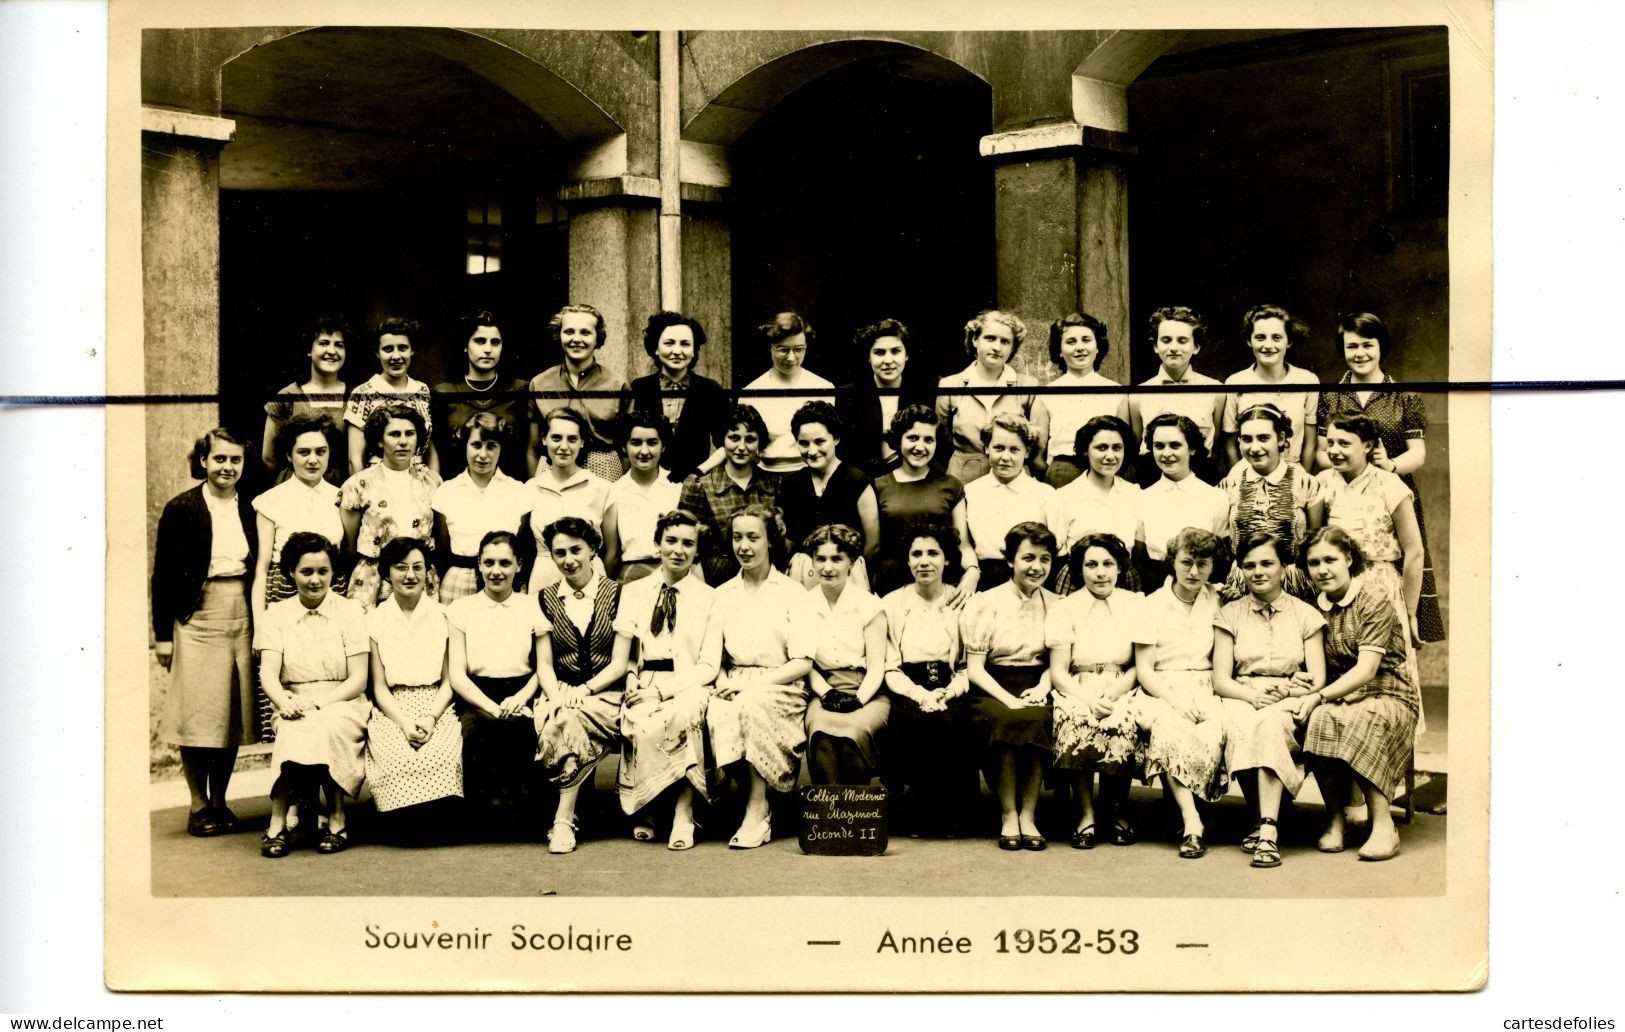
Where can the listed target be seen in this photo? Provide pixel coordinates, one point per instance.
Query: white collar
(1327, 605)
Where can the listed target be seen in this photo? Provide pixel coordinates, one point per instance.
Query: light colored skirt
(1191, 754)
(210, 701)
(1113, 745)
(859, 726)
(400, 775)
(459, 582)
(368, 587)
(1263, 739)
(1374, 736)
(330, 736)
(571, 741)
(764, 725)
(603, 462)
(663, 743)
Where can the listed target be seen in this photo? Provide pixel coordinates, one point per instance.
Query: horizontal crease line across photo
(1412, 386)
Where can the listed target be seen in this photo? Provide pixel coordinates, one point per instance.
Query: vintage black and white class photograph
(798, 463)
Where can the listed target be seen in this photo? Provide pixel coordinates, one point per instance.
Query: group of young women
(516, 579)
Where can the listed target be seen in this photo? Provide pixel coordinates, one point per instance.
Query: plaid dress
(1372, 729)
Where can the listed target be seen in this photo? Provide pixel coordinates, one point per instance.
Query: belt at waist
(929, 674)
(1096, 668)
(467, 562)
(506, 685)
(659, 665)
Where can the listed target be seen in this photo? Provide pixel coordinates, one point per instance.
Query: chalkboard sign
(843, 820)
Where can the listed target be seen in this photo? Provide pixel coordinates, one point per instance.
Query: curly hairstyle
(1339, 539)
(817, 412)
(1194, 542)
(491, 426)
(676, 518)
(1361, 427)
(747, 417)
(778, 538)
(660, 322)
(1014, 424)
(398, 548)
(785, 324)
(905, 418)
(640, 419)
(396, 324)
(973, 330)
(947, 541)
(1266, 539)
(302, 543)
(469, 323)
(555, 325)
(373, 432)
(1112, 544)
(205, 444)
(327, 323)
(296, 427)
(576, 527)
(1297, 331)
(1096, 426)
(866, 336)
(844, 538)
(1180, 313)
(1058, 328)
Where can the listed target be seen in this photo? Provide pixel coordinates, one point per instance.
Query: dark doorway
(862, 196)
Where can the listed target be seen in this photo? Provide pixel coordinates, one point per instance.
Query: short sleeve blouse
(766, 625)
(374, 393)
(392, 504)
(498, 636)
(918, 631)
(1365, 507)
(1400, 416)
(1007, 628)
(1269, 636)
(293, 506)
(316, 644)
(1095, 630)
(1182, 634)
(682, 646)
(471, 512)
(839, 637)
(411, 646)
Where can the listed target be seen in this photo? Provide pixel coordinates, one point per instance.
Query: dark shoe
(1191, 848)
(1123, 834)
(1084, 837)
(225, 820)
(334, 842)
(1035, 843)
(275, 847)
(1250, 843)
(1011, 842)
(201, 823)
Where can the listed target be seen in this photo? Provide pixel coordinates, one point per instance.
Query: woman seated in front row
(1173, 658)
(1090, 634)
(763, 625)
(663, 711)
(849, 664)
(1268, 653)
(1008, 662)
(313, 668)
(1363, 723)
(928, 746)
(580, 664)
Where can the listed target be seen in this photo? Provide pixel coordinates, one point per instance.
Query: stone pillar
(1061, 234)
(707, 277)
(180, 263)
(615, 261)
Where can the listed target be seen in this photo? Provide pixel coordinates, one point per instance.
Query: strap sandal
(1250, 843)
(334, 842)
(1084, 837)
(562, 837)
(750, 838)
(1266, 852)
(201, 824)
(275, 847)
(1191, 848)
(1123, 834)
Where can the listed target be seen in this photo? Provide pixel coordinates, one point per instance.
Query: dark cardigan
(180, 561)
(700, 429)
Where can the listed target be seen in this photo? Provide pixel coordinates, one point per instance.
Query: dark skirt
(933, 755)
(994, 573)
(1003, 727)
(499, 754)
(1429, 618)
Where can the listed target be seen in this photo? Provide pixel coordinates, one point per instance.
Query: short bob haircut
(1012, 423)
(865, 338)
(947, 541)
(848, 541)
(398, 548)
(205, 444)
(576, 527)
(555, 325)
(778, 538)
(469, 323)
(327, 323)
(1297, 331)
(1058, 328)
(408, 328)
(660, 322)
(1271, 414)
(676, 518)
(640, 419)
(1266, 539)
(1180, 313)
(1365, 324)
(1112, 544)
(289, 433)
(569, 415)
(817, 412)
(1361, 427)
(1184, 424)
(1096, 426)
(906, 417)
(302, 543)
(747, 417)
(1339, 539)
(1194, 542)
(380, 418)
(973, 329)
(783, 325)
(1029, 530)
(491, 427)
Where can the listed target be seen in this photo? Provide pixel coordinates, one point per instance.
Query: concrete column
(180, 261)
(1061, 233)
(615, 261)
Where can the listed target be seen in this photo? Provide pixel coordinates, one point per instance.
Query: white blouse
(765, 625)
(498, 636)
(411, 646)
(840, 627)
